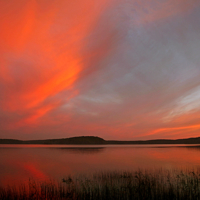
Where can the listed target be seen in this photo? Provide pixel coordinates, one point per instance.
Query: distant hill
(71, 140)
(10, 141)
(158, 141)
(97, 140)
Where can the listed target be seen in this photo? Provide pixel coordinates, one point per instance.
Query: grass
(137, 185)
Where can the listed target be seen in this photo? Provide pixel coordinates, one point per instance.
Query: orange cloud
(48, 49)
(172, 129)
(41, 47)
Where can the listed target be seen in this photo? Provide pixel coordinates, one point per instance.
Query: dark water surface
(18, 163)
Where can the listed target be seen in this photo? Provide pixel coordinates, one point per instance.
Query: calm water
(18, 163)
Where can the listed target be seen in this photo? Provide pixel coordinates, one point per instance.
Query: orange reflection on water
(34, 171)
(43, 162)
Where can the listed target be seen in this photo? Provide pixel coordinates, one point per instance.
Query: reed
(122, 185)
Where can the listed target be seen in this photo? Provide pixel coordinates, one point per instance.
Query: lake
(18, 163)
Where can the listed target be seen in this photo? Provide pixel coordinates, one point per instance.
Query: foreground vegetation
(138, 185)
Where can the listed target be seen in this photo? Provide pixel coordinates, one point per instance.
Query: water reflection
(80, 150)
(18, 163)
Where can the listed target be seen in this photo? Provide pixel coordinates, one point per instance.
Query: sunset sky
(117, 69)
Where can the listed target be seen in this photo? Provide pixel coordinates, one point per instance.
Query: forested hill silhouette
(71, 140)
(97, 140)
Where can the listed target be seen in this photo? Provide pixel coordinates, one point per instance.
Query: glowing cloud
(112, 68)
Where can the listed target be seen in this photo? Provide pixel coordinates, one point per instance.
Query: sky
(117, 69)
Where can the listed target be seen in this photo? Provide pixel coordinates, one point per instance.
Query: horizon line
(94, 136)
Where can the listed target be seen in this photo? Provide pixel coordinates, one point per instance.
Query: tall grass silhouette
(123, 185)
